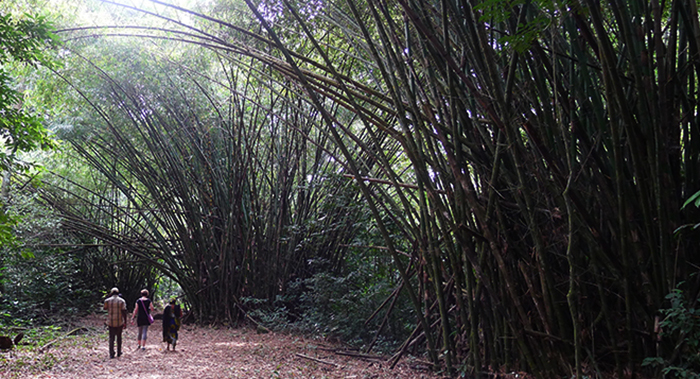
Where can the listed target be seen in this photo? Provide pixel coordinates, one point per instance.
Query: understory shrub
(337, 307)
(43, 288)
(680, 329)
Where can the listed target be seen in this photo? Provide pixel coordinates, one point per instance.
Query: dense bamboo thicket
(552, 144)
(524, 161)
(213, 183)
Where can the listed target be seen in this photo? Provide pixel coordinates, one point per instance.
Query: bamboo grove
(525, 163)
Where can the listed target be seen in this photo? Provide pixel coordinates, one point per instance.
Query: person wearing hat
(116, 320)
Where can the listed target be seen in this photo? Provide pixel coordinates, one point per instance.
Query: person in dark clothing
(171, 323)
(142, 310)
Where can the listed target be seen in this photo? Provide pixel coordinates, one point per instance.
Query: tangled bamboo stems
(548, 146)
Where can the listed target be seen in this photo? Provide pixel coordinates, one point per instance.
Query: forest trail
(202, 353)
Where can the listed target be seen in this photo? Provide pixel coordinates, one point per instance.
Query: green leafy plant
(338, 307)
(681, 323)
(23, 41)
(694, 200)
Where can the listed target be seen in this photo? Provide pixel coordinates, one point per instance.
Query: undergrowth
(339, 308)
(28, 357)
(680, 329)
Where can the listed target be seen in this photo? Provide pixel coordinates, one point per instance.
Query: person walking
(116, 320)
(171, 323)
(142, 314)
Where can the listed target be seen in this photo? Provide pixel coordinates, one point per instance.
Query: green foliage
(23, 41)
(338, 307)
(7, 224)
(500, 11)
(694, 199)
(40, 283)
(681, 324)
(527, 34)
(44, 289)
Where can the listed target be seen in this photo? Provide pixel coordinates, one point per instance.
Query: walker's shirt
(114, 306)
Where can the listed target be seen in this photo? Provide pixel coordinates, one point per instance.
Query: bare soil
(202, 353)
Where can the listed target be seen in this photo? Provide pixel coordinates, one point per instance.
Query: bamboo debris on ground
(360, 355)
(316, 360)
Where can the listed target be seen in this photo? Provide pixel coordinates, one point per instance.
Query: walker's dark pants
(115, 332)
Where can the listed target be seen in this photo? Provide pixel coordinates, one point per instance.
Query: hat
(114, 290)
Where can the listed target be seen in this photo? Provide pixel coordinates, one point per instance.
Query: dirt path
(203, 353)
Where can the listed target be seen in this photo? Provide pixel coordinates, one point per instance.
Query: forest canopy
(494, 184)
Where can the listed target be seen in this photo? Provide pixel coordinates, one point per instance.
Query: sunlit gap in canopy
(129, 12)
(272, 10)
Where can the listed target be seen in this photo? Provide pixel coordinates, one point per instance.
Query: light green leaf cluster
(537, 17)
(21, 40)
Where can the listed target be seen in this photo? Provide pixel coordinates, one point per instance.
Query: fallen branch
(358, 355)
(258, 326)
(72, 332)
(317, 360)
